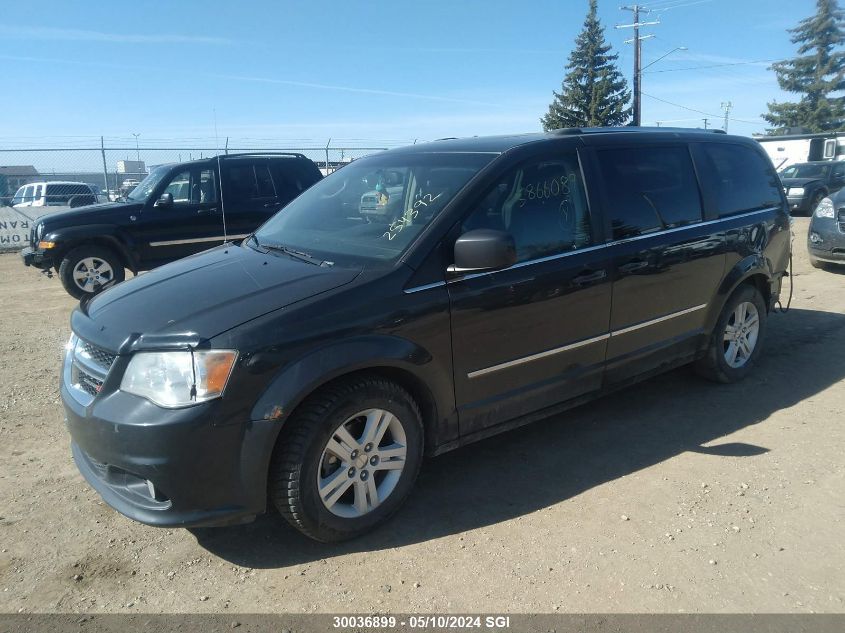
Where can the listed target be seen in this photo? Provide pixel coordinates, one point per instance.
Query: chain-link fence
(104, 173)
(113, 171)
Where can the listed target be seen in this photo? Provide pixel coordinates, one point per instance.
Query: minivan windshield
(371, 209)
(143, 190)
(805, 170)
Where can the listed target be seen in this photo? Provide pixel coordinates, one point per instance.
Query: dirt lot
(674, 495)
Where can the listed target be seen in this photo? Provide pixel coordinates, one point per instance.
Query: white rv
(801, 148)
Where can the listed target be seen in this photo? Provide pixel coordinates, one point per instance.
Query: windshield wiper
(287, 250)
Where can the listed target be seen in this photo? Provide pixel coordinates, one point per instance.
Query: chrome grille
(86, 369)
(100, 356)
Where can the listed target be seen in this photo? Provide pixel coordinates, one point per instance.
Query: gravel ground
(673, 495)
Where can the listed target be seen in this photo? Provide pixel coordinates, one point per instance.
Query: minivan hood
(85, 215)
(202, 295)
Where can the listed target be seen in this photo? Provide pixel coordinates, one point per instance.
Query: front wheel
(347, 458)
(737, 339)
(88, 269)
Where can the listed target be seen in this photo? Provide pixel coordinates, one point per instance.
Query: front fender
(70, 236)
(299, 378)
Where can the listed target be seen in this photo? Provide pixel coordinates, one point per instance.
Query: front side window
(806, 170)
(193, 186)
(27, 194)
(649, 189)
(742, 179)
(371, 210)
(542, 204)
(179, 187)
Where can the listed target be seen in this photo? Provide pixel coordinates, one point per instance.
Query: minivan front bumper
(168, 467)
(826, 238)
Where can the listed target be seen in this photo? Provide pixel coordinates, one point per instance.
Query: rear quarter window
(293, 177)
(738, 178)
(61, 194)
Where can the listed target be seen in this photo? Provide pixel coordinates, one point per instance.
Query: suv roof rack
(630, 129)
(254, 154)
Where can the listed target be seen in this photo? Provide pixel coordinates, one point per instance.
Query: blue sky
(376, 72)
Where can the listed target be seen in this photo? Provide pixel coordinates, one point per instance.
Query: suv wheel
(87, 269)
(737, 339)
(817, 198)
(347, 459)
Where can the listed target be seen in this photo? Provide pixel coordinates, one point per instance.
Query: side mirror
(483, 249)
(165, 201)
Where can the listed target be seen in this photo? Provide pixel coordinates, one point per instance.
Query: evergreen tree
(594, 93)
(817, 73)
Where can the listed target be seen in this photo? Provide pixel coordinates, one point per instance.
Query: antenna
(220, 177)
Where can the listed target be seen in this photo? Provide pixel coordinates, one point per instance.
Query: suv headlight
(39, 231)
(178, 379)
(825, 209)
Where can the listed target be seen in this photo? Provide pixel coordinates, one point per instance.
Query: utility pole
(706, 123)
(726, 106)
(636, 9)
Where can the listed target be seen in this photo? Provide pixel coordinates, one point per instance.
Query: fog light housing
(815, 238)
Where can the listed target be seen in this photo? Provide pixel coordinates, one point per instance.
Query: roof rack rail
(575, 131)
(247, 154)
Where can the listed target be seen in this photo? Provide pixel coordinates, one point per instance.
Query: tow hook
(48, 272)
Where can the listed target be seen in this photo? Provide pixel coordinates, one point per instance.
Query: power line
(675, 70)
(708, 114)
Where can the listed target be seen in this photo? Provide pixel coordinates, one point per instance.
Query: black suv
(413, 302)
(175, 211)
(807, 184)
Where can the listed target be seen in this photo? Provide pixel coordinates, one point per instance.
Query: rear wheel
(347, 459)
(87, 269)
(737, 339)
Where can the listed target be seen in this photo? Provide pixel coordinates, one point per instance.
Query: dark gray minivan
(415, 301)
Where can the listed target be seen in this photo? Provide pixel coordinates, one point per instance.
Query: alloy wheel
(362, 463)
(741, 333)
(91, 273)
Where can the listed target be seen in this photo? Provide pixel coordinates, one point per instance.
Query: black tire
(817, 198)
(714, 366)
(73, 258)
(299, 455)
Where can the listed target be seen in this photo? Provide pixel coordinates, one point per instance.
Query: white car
(54, 193)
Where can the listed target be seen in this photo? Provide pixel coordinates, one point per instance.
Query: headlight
(796, 191)
(178, 379)
(39, 231)
(825, 209)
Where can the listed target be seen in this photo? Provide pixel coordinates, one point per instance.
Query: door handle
(204, 211)
(589, 277)
(632, 267)
(270, 205)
